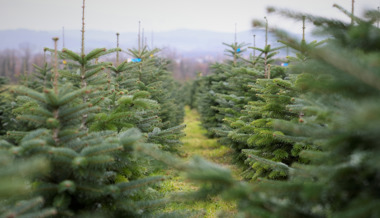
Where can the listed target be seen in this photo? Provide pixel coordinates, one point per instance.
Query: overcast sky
(161, 15)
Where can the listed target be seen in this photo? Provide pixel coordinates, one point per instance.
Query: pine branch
(32, 118)
(101, 150)
(21, 209)
(31, 144)
(30, 93)
(51, 97)
(357, 19)
(273, 164)
(342, 61)
(68, 54)
(128, 186)
(74, 115)
(99, 160)
(64, 152)
(93, 72)
(70, 96)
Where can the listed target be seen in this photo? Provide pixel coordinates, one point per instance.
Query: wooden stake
(235, 33)
(152, 38)
(254, 45)
(235, 45)
(352, 12)
(117, 45)
(266, 31)
(83, 70)
(139, 37)
(266, 43)
(63, 37)
(82, 48)
(142, 38)
(44, 56)
(303, 28)
(378, 9)
(55, 83)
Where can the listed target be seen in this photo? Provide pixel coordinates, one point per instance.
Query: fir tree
(211, 86)
(84, 165)
(42, 76)
(15, 185)
(240, 110)
(340, 85)
(341, 179)
(149, 75)
(7, 105)
(268, 52)
(3, 108)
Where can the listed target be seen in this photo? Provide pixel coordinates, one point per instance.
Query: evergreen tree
(153, 76)
(42, 76)
(87, 121)
(148, 74)
(266, 54)
(7, 105)
(340, 91)
(15, 186)
(265, 147)
(235, 50)
(341, 180)
(3, 108)
(84, 165)
(208, 103)
(240, 110)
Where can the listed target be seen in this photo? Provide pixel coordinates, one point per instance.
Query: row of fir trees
(306, 135)
(69, 134)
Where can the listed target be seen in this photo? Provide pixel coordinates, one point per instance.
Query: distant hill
(187, 43)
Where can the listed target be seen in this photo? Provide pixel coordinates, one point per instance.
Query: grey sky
(160, 15)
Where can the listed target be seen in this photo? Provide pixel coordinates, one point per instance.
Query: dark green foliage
(154, 96)
(42, 78)
(7, 104)
(150, 75)
(14, 193)
(235, 50)
(207, 99)
(190, 91)
(88, 124)
(335, 138)
(84, 165)
(239, 107)
(3, 107)
(86, 118)
(263, 142)
(342, 179)
(265, 56)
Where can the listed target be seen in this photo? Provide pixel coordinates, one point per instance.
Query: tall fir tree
(84, 165)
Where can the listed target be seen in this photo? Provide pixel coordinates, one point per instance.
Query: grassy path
(196, 143)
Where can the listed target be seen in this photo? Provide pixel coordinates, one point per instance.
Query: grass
(196, 143)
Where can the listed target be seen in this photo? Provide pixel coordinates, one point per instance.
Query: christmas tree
(340, 120)
(87, 122)
(15, 186)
